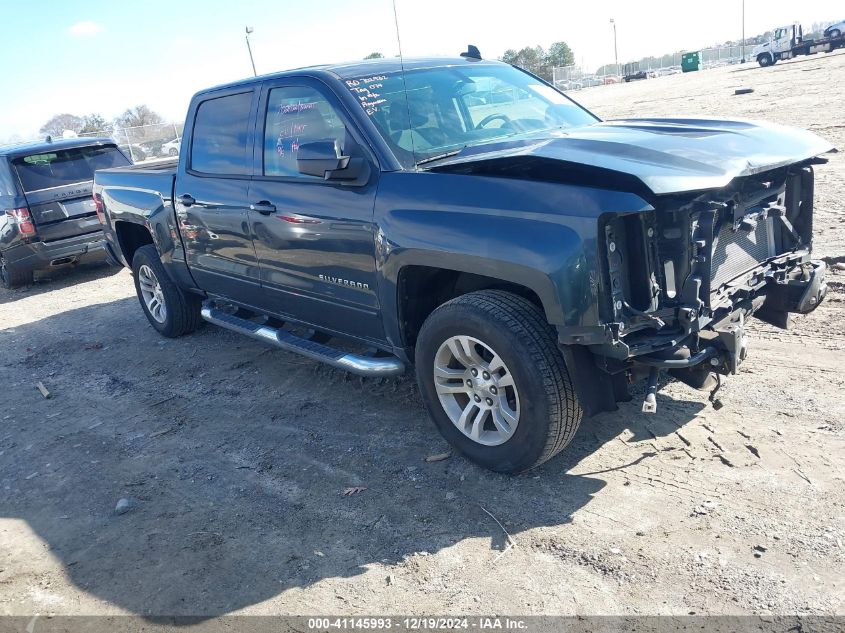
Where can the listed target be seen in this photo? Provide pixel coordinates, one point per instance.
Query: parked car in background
(149, 149)
(530, 260)
(48, 216)
(569, 84)
(134, 151)
(171, 148)
(835, 30)
(633, 73)
(154, 148)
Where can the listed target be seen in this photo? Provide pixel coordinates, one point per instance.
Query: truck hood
(666, 155)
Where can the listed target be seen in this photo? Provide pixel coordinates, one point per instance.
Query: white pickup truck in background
(788, 42)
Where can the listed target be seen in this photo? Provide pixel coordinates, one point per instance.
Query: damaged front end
(680, 281)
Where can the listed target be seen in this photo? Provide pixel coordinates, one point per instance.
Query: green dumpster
(691, 62)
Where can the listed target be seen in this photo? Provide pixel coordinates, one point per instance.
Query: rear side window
(221, 127)
(66, 166)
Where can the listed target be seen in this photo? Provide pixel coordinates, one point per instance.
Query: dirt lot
(233, 457)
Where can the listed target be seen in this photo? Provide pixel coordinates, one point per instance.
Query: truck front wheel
(169, 310)
(765, 60)
(495, 382)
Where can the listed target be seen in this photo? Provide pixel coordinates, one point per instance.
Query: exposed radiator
(735, 252)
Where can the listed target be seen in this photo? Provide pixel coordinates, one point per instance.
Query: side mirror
(325, 159)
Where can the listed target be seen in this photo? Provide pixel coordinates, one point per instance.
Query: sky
(103, 56)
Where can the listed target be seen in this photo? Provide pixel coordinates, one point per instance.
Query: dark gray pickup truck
(462, 216)
(48, 217)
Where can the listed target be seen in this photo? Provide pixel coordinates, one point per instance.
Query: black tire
(173, 152)
(182, 314)
(518, 332)
(13, 277)
(765, 60)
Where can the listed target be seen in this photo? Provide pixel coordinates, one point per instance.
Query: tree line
(540, 62)
(533, 59)
(95, 123)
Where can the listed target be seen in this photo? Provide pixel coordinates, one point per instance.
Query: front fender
(551, 260)
(539, 235)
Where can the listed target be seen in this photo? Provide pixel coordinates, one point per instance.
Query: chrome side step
(361, 365)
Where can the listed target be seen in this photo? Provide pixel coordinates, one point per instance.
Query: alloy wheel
(477, 390)
(152, 294)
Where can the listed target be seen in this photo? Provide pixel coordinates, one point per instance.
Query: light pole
(249, 30)
(743, 32)
(615, 50)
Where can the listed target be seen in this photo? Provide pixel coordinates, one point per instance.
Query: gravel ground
(233, 458)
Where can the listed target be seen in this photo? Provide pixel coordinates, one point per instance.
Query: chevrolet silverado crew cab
(48, 217)
(464, 217)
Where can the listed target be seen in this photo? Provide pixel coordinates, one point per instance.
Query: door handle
(187, 200)
(264, 207)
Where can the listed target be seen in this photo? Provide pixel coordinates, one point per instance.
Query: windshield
(66, 166)
(449, 108)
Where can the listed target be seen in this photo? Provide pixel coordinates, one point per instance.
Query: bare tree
(137, 116)
(92, 123)
(374, 56)
(61, 122)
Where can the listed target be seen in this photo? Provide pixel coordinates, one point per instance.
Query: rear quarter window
(221, 134)
(7, 182)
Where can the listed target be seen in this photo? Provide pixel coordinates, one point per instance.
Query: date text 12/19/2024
(417, 623)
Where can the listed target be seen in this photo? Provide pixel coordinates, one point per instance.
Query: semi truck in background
(789, 41)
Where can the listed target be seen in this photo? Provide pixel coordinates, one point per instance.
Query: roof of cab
(349, 70)
(33, 147)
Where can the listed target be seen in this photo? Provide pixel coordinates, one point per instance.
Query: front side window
(221, 132)
(453, 107)
(296, 115)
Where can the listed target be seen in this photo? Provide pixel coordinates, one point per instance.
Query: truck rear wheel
(495, 382)
(169, 310)
(12, 277)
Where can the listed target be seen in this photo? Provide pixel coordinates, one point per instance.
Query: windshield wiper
(431, 159)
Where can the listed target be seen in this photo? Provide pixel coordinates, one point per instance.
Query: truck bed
(139, 190)
(157, 177)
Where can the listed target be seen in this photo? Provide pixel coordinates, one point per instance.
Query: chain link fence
(723, 55)
(574, 78)
(146, 142)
